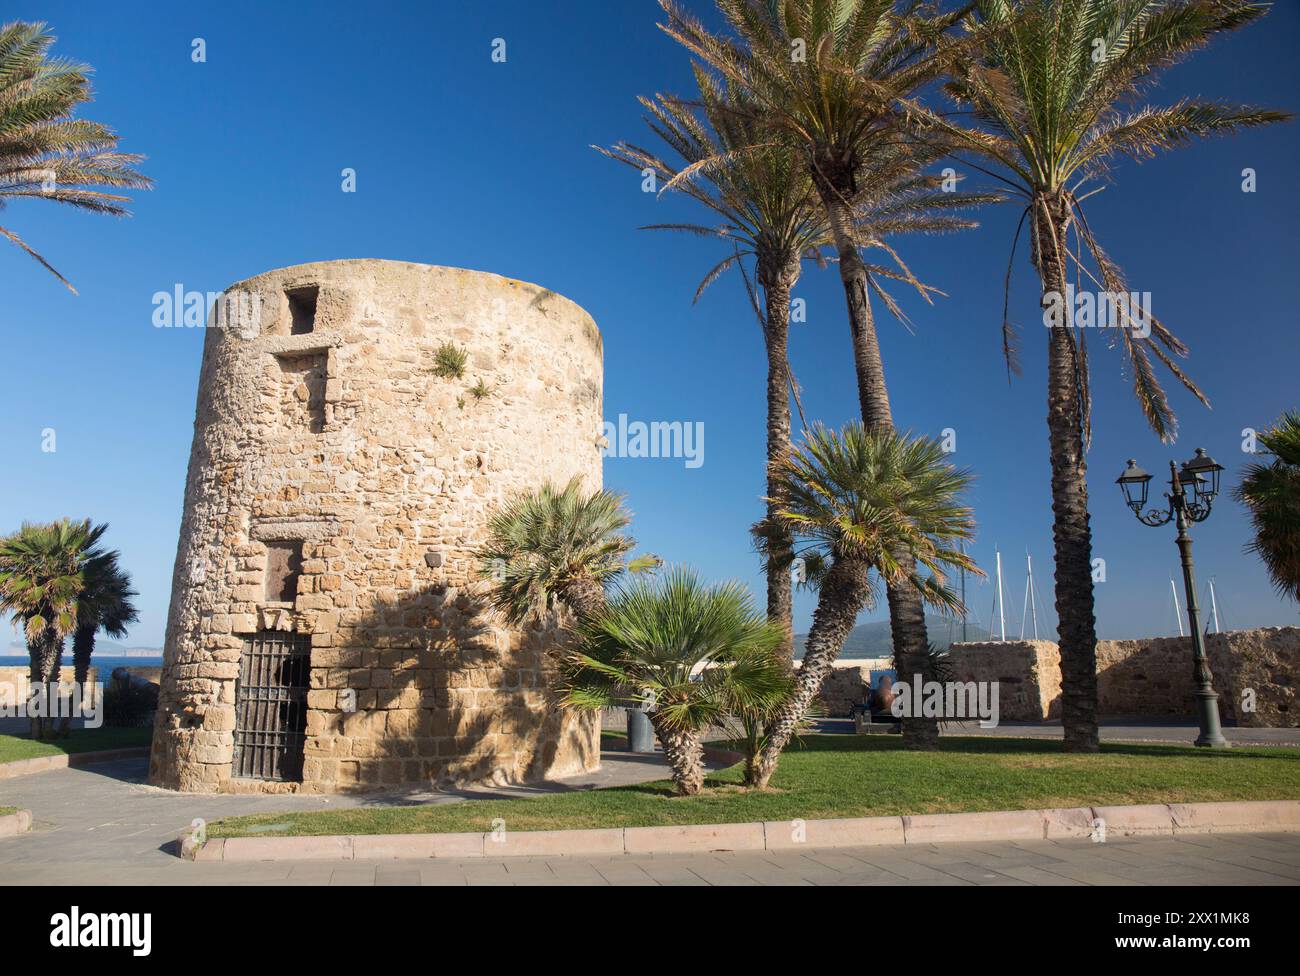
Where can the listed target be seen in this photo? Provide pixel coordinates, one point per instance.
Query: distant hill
(104, 648)
(873, 639)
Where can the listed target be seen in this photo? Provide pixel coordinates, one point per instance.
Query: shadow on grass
(15, 746)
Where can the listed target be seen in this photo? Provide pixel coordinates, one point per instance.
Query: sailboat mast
(1002, 622)
(1178, 614)
(1033, 601)
(964, 612)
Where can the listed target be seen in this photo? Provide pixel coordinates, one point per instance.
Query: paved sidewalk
(98, 823)
(103, 825)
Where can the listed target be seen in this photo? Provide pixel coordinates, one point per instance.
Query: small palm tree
(45, 153)
(42, 577)
(1057, 90)
(105, 602)
(1272, 494)
(692, 655)
(863, 502)
(557, 546)
(827, 78)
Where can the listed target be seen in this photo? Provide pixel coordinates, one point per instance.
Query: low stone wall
(1028, 674)
(146, 672)
(847, 684)
(18, 678)
(1150, 677)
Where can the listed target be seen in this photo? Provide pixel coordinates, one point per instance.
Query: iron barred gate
(271, 706)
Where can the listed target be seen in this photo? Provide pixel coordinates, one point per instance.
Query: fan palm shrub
(1056, 98)
(557, 547)
(42, 577)
(866, 507)
(45, 153)
(1271, 492)
(827, 77)
(692, 655)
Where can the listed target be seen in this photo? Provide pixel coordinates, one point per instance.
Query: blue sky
(462, 161)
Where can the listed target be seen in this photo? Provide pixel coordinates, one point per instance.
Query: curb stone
(63, 760)
(773, 835)
(13, 824)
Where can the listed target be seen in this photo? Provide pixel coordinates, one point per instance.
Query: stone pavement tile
(721, 874)
(842, 861)
(442, 875)
(575, 871)
(400, 874)
(907, 871)
(980, 874)
(1035, 875)
(943, 881)
(677, 875)
(763, 872)
(1261, 865)
(1089, 875)
(631, 873)
(311, 872)
(353, 874)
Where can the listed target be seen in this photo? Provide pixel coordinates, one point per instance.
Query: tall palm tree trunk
(777, 284)
(906, 609)
(1071, 531)
(843, 594)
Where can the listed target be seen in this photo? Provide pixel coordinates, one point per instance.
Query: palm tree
(105, 602)
(861, 501)
(769, 213)
(557, 546)
(45, 153)
(1272, 494)
(42, 577)
(827, 77)
(1055, 94)
(691, 655)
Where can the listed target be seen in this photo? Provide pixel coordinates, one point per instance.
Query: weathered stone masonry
(336, 490)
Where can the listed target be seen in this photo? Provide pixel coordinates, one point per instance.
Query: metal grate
(271, 706)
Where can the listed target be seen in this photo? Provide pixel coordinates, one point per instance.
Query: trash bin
(640, 733)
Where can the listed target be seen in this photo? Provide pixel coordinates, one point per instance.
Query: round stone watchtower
(328, 628)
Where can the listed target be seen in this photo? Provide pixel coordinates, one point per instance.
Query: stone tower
(327, 629)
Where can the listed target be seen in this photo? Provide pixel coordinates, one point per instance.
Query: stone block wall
(340, 441)
(1149, 677)
(15, 685)
(847, 684)
(1028, 675)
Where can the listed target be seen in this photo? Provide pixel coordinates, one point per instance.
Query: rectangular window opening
(302, 309)
(283, 567)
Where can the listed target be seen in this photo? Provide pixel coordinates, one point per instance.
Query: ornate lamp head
(1203, 474)
(1133, 482)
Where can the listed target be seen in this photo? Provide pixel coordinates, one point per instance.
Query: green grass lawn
(851, 776)
(15, 747)
(5, 811)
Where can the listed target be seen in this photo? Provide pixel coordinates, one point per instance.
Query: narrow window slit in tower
(302, 309)
(283, 566)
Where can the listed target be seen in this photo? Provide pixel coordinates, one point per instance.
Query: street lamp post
(1201, 476)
